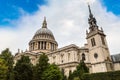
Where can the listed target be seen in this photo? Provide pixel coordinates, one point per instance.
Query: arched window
(83, 56)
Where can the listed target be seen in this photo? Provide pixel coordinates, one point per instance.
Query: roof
(116, 57)
(44, 31)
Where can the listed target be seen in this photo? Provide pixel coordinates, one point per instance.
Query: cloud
(89, 1)
(68, 20)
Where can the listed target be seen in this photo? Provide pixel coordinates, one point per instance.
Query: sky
(67, 19)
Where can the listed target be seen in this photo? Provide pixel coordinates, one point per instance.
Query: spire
(92, 21)
(90, 13)
(44, 25)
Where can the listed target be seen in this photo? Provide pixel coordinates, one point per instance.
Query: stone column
(40, 45)
(36, 45)
(51, 46)
(54, 47)
(47, 45)
(43, 45)
(30, 47)
(33, 46)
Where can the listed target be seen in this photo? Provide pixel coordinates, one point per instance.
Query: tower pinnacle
(44, 25)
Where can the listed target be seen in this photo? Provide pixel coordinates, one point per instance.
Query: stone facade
(95, 53)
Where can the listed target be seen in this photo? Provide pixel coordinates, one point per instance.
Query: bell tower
(98, 48)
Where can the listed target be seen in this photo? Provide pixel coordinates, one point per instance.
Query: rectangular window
(103, 40)
(93, 42)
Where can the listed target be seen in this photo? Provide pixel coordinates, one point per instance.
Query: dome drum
(43, 45)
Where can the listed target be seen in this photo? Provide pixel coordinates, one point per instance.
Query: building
(95, 53)
(116, 61)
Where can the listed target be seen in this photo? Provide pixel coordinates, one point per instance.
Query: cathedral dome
(44, 31)
(43, 40)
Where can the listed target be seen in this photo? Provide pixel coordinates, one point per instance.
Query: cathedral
(95, 53)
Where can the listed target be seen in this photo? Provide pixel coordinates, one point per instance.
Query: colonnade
(42, 45)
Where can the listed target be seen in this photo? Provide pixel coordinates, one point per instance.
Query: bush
(114, 75)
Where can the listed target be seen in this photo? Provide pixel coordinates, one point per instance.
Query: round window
(95, 55)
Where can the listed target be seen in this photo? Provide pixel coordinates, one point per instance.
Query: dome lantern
(44, 25)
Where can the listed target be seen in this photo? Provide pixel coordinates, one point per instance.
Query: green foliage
(52, 73)
(35, 73)
(23, 69)
(114, 75)
(8, 57)
(71, 76)
(63, 75)
(76, 78)
(41, 67)
(44, 71)
(3, 69)
(43, 62)
(80, 70)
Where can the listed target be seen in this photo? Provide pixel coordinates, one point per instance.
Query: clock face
(96, 55)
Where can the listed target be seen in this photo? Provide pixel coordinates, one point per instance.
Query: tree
(8, 58)
(80, 70)
(76, 78)
(3, 69)
(63, 75)
(52, 73)
(41, 66)
(70, 76)
(23, 69)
